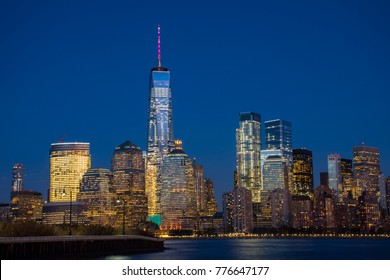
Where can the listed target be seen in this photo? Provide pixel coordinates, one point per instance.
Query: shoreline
(284, 236)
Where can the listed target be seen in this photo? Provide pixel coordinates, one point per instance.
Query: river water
(269, 249)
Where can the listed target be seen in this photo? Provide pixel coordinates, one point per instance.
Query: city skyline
(213, 148)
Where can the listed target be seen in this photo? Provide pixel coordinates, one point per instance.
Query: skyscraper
(160, 132)
(275, 177)
(17, 177)
(128, 167)
(178, 194)
(68, 163)
(334, 172)
(366, 168)
(248, 146)
(347, 180)
(303, 171)
(278, 134)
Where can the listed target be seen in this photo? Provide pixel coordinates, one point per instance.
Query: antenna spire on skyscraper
(158, 46)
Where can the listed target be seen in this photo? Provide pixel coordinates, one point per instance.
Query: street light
(123, 217)
(70, 210)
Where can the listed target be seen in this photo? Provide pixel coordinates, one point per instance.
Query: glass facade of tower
(248, 147)
(17, 177)
(278, 135)
(303, 171)
(68, 163)
(275, 174)
(334, 172)
(178, 195)
(160, 136)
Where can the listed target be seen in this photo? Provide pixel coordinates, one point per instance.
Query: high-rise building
(227, 211)
(303, 171)
(17, 177)
(242, 210)
(324, 207)
(160, 133)
(275, 174)
(278, 135)
(128, 168)
(68, 163)
(369, 212)
(366, 168)
(347, 180)
(211, 203)
(248, 147)
(275, 177)
(334, 173)
(301, 212)
(206, 203)
(96, 192)
(178, 194)
(280, 207)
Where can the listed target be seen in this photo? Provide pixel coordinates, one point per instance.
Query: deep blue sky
(79, 71)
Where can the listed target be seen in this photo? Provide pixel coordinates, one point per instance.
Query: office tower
(347, 180)
(278, 134)
(178, 194)
(275, 174)
(211, 202)
(227, 211)
(128, 168)
(275, 177)
(301, 212)
(160, 133)
(248, 147)
(303, 171)
(199, 181)
(366, 168)
(17, 177)
(96, 191)
(324, 179)
(324, 207)
(26, 206)
(334, 173)
(206, 204)
(68, 163)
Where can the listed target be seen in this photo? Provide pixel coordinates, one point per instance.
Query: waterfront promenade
(76, 247)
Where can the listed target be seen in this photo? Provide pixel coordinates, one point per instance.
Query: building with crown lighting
(160, 134)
